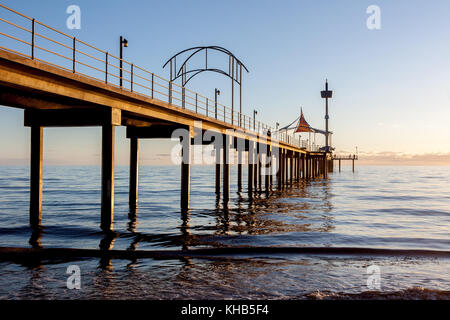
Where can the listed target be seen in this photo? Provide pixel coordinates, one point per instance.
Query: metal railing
(43, 43)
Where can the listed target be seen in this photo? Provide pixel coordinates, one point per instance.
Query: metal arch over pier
(64, 93)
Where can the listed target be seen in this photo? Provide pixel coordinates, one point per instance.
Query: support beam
(107, 211)
(36, 176)
(134, 172)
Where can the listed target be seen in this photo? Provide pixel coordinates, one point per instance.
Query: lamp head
(125, 43)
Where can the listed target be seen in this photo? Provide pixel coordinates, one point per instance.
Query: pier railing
(35, 40)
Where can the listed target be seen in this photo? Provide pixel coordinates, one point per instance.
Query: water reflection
(271, 212)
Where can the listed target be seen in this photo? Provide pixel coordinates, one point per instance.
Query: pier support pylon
(134, 172)
(226, 169)
(36, 176)
(239, 170)
(107, 211)
(218, 171)
(251, 157)
(185, 173)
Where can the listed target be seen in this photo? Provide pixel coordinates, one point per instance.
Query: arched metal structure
(235, 68)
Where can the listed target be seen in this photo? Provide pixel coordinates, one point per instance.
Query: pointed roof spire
(303, 126)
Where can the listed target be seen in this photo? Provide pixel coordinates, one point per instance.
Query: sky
(391, 86)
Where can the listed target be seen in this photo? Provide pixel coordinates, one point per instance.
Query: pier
(339, 159)
(61, 81)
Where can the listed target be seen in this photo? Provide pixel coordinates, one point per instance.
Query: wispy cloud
(400, 158)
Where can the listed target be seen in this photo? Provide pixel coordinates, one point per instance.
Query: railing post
(132, 67)
(32, 37)
(183, 93)
(74, 51)
(206, 106)
(170, 92)
(196, 103)
(106, 68)
(153, 78)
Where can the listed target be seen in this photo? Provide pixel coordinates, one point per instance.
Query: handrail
(132, 80)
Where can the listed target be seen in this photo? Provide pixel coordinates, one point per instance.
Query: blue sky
(391, 86)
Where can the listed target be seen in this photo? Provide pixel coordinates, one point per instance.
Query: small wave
(414, 293)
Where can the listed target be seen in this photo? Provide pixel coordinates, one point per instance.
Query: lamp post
(326, 94)
(254, 119)
(123, 44)
(216, 93)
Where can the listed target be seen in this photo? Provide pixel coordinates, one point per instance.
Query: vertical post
(153, 84)
(134, 169)
(185, 173)
(260, 163)
(353, 164)
(170, 82)
(308, 167)
(285, 166)
(218, 170)
(268, 168)
(281, 184)
(240, 94)
(33, 24)
(196, 102)
(121, 62)
(73, 54)
(299, 167)
(255, 166)
(250, 166)
(132, 76)
(36, 176)
(107, 211)
(303, 166)
(226, 168)
(339, 165)
(239, 170)
(232, 90)
(291, 163)
(106, 67)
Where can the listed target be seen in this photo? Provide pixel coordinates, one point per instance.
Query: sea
(401, 208)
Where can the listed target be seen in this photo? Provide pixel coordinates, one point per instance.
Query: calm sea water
(375, 207)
